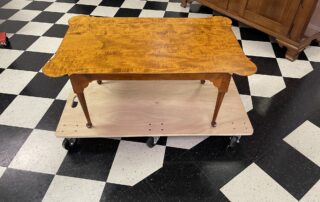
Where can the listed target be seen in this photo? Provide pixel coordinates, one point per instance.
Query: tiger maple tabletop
(97, 48)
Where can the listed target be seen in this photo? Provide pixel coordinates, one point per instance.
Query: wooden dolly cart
(149, 49)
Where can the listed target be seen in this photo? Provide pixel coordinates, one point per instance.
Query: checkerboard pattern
(280, 162)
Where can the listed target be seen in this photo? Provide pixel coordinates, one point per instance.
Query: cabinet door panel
(236, 6)
(220, 3)
(276, 15)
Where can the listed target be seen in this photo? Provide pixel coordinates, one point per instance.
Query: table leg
(79, 83)
(222, 83)
(83, 103)
(217, 108)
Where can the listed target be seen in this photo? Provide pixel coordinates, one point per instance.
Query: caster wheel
(69, 143)
(234, 141)
(203, 81)
(150, 142)
(99, 82)
(89, 125)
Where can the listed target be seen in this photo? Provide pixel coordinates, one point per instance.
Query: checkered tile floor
(280, 162)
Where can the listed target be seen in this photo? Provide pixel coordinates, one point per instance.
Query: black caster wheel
(203, 81)
(150, 142)
(99, 82)
(70, 143)
(234, 141)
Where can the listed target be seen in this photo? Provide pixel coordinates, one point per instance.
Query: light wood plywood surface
(150, 108)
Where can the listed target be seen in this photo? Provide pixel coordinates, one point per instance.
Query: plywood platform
(154, 108)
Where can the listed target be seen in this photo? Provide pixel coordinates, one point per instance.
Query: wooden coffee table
(149, 49)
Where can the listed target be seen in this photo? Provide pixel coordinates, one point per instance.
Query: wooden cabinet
(286, 20)
(276, 15)
(221, 3)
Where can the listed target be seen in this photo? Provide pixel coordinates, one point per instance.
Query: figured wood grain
(149, 46)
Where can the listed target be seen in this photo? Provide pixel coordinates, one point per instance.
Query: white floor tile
(105, 11)
(14, 81)
(46, 44)
(65, 92)
(247, 102)
(65, 18)
(59, 7)
(16, 4)
(313, 195)
(134, 161)
(8, 56)
(258, 48)
(25, 111)
(2, 169)
(137, 4)
(89, 2)
(42, 152)
(236, 32)
(313, 53)
(253, 184)
(295, 69)
(265, 85)
(25, 15)
(74, 189)
(176, 7)
(306, 139)
(152, 14)
(184, 142)
(35, 28)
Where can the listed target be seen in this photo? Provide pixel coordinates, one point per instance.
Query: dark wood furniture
(286, 20)
(149, 49)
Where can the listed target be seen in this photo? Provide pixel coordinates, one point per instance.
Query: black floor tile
(44, 86)
(68, 1)
(4, 2)
(21, 42)
(18, 185)
(11, 26)
(154, 5)
(51, 118)
(57, 31)
(5, 100)
(1, 70)
(30, 61)
(48, 17)
(7, 13)
(182, 182)
(281, 52)
(139, 192)
(170, 14)
(242, 84)
(37, 5)
(112, 3)
(290, 169)
(197, 8)
(82, 9)
(127, 12)
(253, 34)
(92, 160)
(11, 139)
(267, 66)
